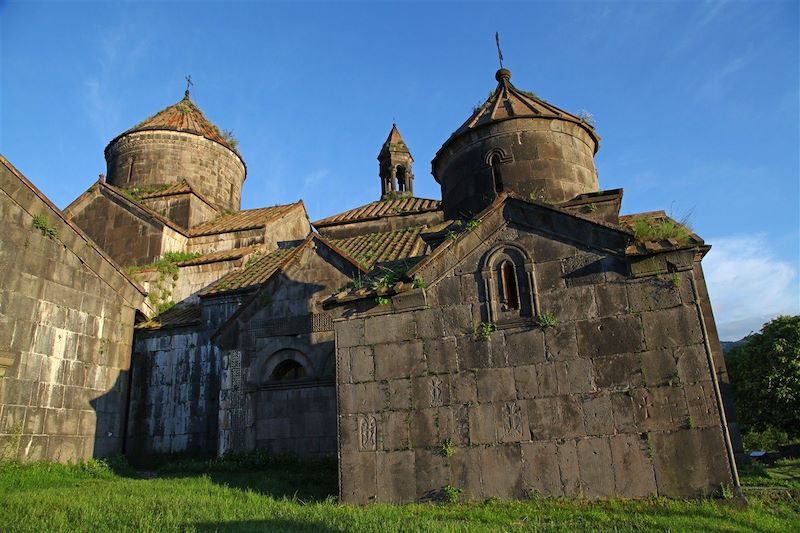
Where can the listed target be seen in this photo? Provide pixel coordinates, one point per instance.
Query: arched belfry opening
(397, 179)
(400, 175)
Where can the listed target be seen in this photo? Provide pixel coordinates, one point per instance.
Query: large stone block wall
(66, 327)
(127, 238)
(175, 387)
(284, 321)
(550, 160)
(153, 158)
(617, 399)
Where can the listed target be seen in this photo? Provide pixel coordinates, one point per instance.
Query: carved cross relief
(367, 432)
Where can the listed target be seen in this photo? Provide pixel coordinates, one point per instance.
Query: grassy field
(287, 496)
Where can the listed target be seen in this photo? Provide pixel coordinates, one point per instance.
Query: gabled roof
(470, 235)
(81, 245)
(183, 116)
(243, 220)
(507, 102)
(379, 209)
(258, 271)
(101, 187)
(180, 315)
(251, 275)
(374, 248)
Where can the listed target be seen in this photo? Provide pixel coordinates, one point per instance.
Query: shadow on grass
(265, 525)
(269, 475)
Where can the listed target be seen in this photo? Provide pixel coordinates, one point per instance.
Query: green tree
(765, 378)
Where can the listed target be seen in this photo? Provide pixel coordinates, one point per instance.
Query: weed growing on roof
(675, 280)
(232, 141)
(381, 300)
(472, 224)
(452, 235)
(163, 307)
(41, 223)
(587, 117)
(419, 283)
(657, 230)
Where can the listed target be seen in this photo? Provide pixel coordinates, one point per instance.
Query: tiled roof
(507, 102)
(242, 220)
(225, 255)
(180, 315)
(182, 187)
(374, 248)
(381, 208)
(251, 275)
(183, 116)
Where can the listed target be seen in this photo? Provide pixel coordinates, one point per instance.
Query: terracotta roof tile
(224, 255)
(374, 248)
(381, 208)
(180, 315)
(182, 187)
(507, 102)
(247, 219)
(183, 116)
(257, 272)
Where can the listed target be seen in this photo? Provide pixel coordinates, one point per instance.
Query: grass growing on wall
(291, 496)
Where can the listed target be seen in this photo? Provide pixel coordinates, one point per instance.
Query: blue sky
(697, 103)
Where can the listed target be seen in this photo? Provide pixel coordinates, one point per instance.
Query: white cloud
(748, 284)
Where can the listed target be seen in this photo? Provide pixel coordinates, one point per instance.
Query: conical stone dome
(178, 143)
(519, 143)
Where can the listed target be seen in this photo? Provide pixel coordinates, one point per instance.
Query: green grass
(785, 473)
(290, 496)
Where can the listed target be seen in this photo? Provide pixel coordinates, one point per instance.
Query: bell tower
(397, 179)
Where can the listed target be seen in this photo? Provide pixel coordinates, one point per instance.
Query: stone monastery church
(518, 336)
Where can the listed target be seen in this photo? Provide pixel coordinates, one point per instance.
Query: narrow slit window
(497, 176)
(509, 279)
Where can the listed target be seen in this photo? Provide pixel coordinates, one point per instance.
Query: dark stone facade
(66, 328)
(612, 395)
(514, 339)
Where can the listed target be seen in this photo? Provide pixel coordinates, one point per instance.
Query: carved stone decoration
(512, 420)
(436, 392)
(367, 433)
(235, 396)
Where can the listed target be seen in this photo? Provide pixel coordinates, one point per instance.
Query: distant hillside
(727, 346)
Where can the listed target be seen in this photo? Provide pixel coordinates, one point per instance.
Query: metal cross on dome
(499, 52)
(188, 83)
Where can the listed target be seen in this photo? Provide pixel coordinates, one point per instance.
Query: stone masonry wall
(175, 387)
(121, 234)
(66, 327)
(154, 158)
(616, 399)
(285, 321)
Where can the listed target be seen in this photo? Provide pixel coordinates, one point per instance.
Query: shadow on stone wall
(110, 411)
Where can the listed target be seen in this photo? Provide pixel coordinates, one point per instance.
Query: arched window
(400, 172)
(497, 176)
(508, 278)
(509, 285)
(288, 369)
